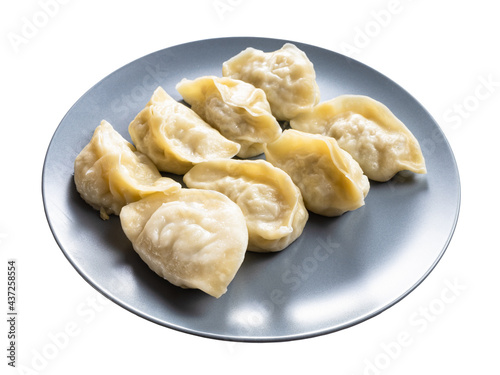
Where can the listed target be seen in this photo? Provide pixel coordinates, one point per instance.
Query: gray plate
(340, 272)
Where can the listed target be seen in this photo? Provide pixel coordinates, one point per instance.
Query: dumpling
(287, 77)
(330, 180)
(238, 110)
(192, 238)
(175, 137)
(270, 201)
(369, 131)
(110, 172)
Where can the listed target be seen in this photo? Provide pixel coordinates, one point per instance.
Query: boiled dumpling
(192, 238)
(175, 137)
(270, 201)
(109, 172)
(237, 109)
(369, 131)
(287, 77)
(330, 180)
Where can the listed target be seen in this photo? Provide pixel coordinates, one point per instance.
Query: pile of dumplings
(233, 201)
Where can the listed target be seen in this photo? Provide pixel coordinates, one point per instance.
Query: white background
(445, 53)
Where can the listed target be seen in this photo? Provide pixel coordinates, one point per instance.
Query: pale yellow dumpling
(192, 238)
(369, 131)
(237, 109)
(287, 77)
(330, 180)
(175, 137)
(270, 201)
(110, 172)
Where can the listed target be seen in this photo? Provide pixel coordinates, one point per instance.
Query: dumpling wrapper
(287, 76)
(330, 180)
(110, 172)
(238, 110)
(369, 131)
(270, 201)
(192, 238)
(175, 137)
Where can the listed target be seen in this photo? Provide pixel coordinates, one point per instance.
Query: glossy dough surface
(110, 172)
(369, 131)
(287, 77)
(175, 137)
(238, 110)
(330, 180)
(192, 238)
(270, 201)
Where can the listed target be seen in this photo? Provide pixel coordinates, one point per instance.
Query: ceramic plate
(339, 272)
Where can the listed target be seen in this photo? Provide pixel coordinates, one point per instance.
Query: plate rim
(247, 338)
